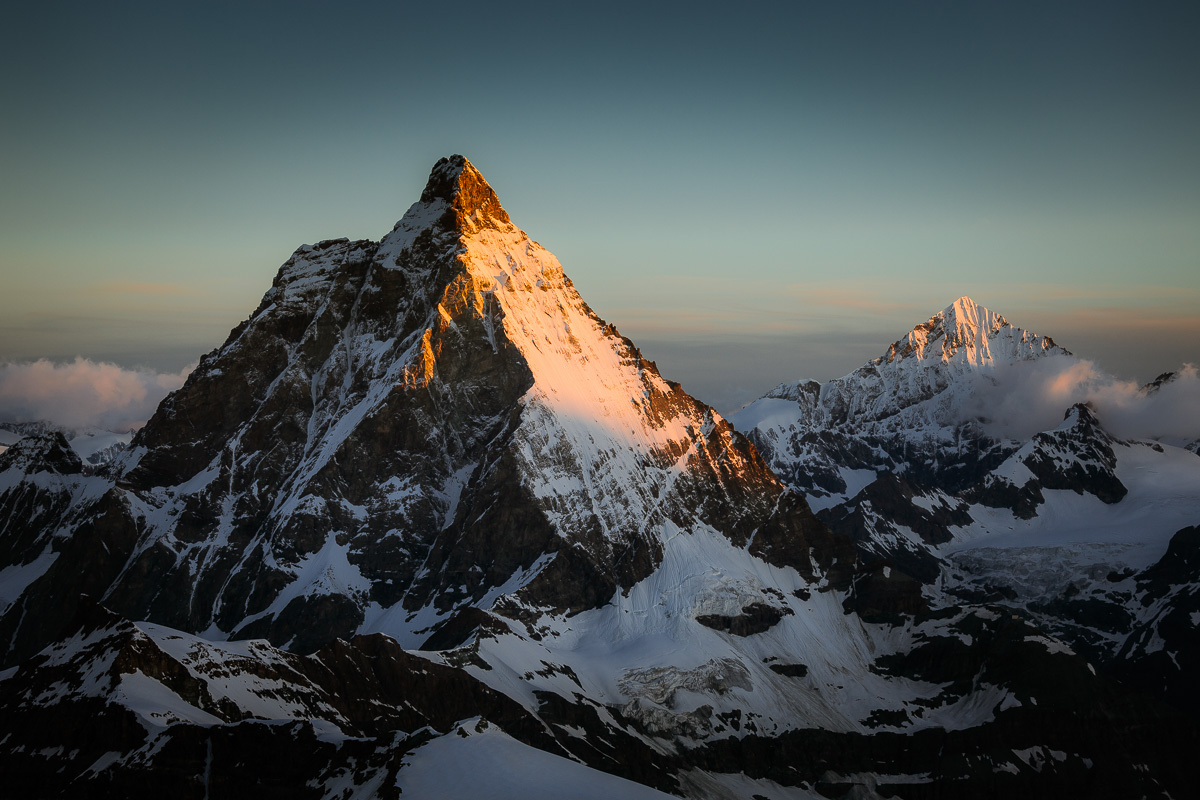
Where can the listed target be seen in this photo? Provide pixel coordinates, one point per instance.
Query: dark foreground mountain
(424, 510)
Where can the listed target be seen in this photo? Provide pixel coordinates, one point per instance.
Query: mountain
(905, 411)
(340, 457)
(1063, 525)
(95, 446)
(425, 508)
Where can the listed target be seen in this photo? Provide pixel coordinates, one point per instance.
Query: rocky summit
(424, 508)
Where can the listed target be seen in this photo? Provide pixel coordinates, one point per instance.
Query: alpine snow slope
(424, 506)
(904, 455)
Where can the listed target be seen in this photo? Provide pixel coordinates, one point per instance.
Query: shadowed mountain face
(424, 498)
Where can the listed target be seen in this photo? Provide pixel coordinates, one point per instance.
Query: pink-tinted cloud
(83, 393)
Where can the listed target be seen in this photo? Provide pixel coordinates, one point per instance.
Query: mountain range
(94, 445)
(424, 508)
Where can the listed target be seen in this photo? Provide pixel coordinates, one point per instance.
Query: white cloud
(1020, 399)
(83, 393)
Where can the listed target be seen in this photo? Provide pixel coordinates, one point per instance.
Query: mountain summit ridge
(907, 411)
(456, 182)
(966, 332)
(923, 380)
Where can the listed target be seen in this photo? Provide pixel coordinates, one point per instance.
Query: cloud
(1018, 400)
(83, 393)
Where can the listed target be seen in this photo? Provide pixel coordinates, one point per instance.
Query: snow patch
(501, 768)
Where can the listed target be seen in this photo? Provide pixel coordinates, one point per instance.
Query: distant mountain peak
(908, 398)
(1159, 382)
(42, 452)
(965, 312)
(966, 332)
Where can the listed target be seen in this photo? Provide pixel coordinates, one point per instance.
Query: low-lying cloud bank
(1015, 400)
(83, 393)
(1020, 399)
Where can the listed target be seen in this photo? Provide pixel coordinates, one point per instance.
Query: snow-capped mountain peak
(922, 380)
(910, 402)
(966, 332)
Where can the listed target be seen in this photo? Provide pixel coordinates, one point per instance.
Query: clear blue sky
(752, 192)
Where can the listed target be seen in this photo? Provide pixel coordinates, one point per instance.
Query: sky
(753, 193)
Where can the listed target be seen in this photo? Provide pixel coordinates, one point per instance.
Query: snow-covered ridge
(924, 381)
(943, 405)
(968, 333)
(94, 445)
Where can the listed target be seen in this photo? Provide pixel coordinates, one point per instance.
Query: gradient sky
(753, 193)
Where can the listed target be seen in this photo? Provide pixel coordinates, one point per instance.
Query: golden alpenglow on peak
(455, 181)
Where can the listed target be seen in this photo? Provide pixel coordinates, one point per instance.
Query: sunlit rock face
(424, 507)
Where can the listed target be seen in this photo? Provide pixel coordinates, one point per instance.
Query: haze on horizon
(752, 196)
